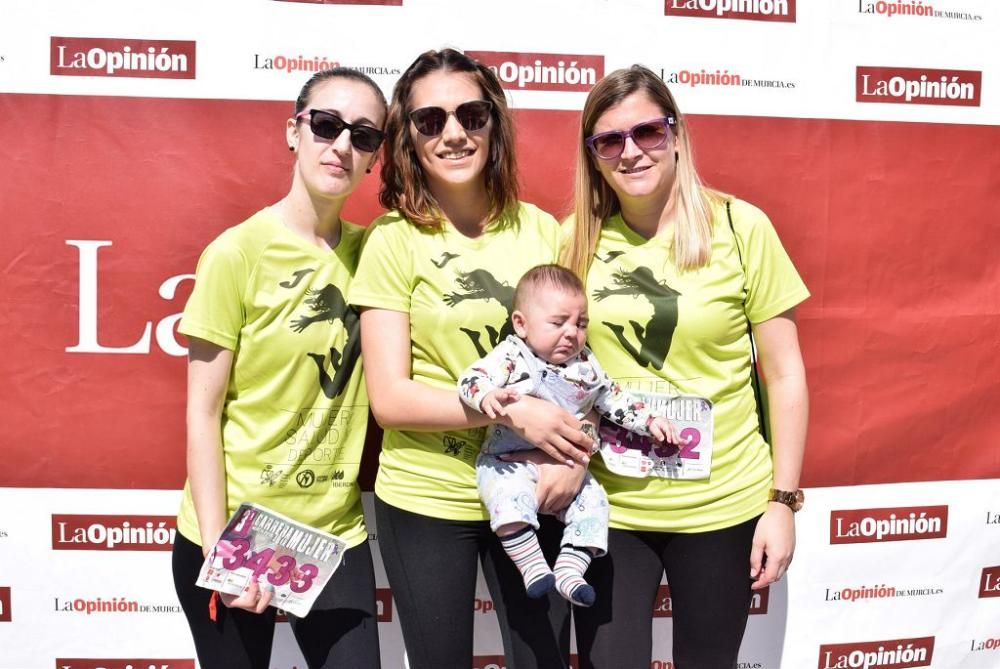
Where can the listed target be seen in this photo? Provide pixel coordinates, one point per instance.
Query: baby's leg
(585, 537)
(508, 492)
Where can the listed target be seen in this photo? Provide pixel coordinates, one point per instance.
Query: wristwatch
(792, 500)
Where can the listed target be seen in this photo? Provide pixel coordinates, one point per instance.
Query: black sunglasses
(472, 115)
(329, 126)
(647, 135)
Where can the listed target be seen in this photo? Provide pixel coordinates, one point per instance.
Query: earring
(369, 170)
(291, 148)
(677, 156)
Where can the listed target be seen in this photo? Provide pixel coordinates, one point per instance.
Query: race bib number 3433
(629, 454)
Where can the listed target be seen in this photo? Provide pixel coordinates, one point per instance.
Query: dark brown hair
(552, 276)
(336, 73)
(404, 184)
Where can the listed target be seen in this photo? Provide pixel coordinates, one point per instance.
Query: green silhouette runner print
(330, 306)
(654, 339)
(481, 285)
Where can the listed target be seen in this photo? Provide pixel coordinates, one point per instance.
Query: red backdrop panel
(889, 224)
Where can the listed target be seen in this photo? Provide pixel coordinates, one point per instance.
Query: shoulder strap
(754, 376)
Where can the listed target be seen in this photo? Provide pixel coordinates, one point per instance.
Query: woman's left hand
(773, 545)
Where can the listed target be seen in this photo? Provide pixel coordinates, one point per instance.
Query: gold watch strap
(791, 499)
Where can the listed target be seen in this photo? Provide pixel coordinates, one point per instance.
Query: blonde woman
(678, 276)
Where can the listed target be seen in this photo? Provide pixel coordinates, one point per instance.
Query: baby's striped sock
(523, 549)
(570, 567)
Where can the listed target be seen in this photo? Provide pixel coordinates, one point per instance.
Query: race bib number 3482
(629, 454)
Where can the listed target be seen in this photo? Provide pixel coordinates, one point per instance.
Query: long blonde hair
(594, 199)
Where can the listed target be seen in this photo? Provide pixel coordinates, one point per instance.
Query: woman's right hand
(253, 598)
(550, 429)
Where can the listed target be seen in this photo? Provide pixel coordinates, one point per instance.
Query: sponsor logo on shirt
(918, 86)
(108, 57)
(888, 654)
(305, 478)
(113, 533)
(543, 71)
(858, 526)
(746, 10)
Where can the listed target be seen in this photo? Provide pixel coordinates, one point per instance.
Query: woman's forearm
(788, 409)
(207, 476)
(208, 377)
(405, 404)
(788, 396)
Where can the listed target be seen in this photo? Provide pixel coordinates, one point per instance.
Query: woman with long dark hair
(436, 285)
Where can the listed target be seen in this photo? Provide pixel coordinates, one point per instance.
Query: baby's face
(553, 324)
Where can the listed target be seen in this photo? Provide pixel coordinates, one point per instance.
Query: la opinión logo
(917, 86)
(109, 57)
(542, 71)
(888, 524)
(746, 10)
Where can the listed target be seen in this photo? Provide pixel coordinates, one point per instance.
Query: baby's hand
(494, 402)
(664, 431)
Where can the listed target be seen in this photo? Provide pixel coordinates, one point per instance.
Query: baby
(548, 359)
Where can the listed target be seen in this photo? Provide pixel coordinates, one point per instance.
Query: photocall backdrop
(868, 131)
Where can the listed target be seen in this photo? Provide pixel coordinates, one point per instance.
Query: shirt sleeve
(772, 283)
(618, 405)
(216, 311)
(384, 279)
(487, 374)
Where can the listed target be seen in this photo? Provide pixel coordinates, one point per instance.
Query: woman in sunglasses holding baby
(678, 275)
(275, 352)
(436, 285)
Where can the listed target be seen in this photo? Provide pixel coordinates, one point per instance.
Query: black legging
(709, 578)
(432, 564)
(340, 632)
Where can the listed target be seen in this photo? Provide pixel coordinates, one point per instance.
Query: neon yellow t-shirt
(458, 293)
(656, 329)
(296, 409)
